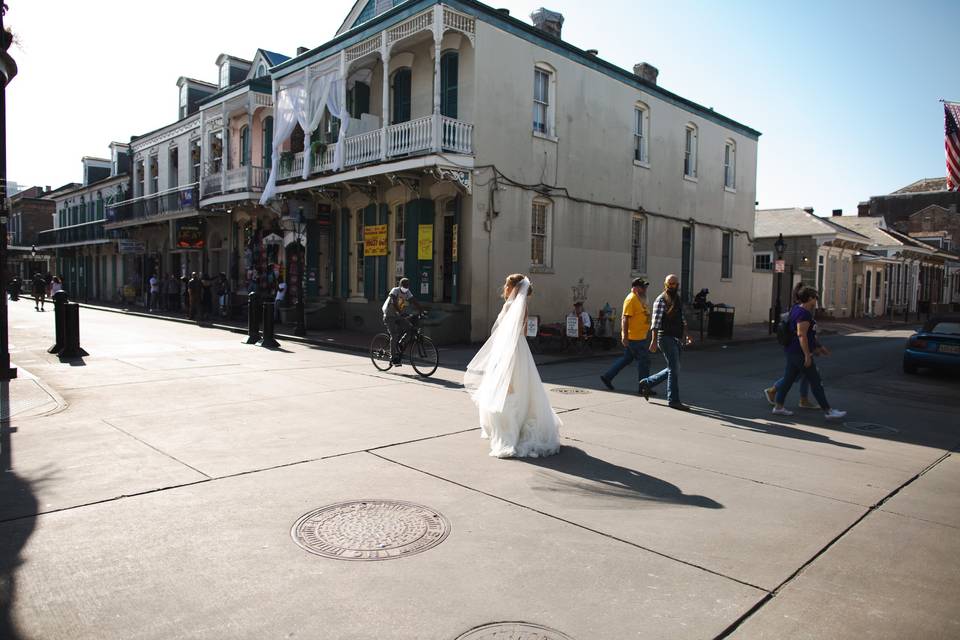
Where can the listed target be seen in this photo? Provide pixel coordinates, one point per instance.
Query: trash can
(720, 322)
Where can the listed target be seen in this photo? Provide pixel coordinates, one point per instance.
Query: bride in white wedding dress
(515, 412)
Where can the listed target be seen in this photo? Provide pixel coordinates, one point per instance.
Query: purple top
(797, 315)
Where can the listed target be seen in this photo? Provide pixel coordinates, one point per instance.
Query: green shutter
(449, 81)
(370, 262)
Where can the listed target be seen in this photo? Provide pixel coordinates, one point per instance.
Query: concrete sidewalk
(186, 485)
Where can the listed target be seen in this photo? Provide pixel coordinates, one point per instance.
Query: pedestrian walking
(799, 356)
(278, 299)
(56, 285)
(206, 297)
(39, 291)
(194, 292)
(669, 335)
(13, 288)
(770, 393)
(154, 299)
(223, 295)
(634, 335)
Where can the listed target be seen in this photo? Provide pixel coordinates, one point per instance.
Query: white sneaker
(782, 412)
(833, 414)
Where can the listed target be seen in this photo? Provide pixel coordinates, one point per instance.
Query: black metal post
(59, 321)
(8, 69)
(253, 319)
(71, 348)
(301, 329)
(268, 341)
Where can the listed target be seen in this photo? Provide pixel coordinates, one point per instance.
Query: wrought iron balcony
(86, 232)
(168, 204)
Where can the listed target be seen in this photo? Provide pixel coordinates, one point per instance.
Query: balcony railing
(86, 232)
(406, 138)
(241, 179)
(155, 205)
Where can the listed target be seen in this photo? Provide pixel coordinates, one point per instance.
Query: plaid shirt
(659, 308)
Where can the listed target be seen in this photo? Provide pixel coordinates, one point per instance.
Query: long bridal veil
(503, 382)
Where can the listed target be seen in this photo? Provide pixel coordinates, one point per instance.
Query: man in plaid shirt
(669, 335)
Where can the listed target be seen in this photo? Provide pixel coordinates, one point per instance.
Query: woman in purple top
(799, 354)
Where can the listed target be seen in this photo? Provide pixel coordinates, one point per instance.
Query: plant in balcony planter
(318, 148)
(286, 161)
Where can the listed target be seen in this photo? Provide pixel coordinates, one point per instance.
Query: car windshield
(946, 327)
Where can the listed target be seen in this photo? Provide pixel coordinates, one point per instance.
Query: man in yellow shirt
(635, 334)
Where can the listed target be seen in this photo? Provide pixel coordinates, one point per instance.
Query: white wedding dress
(515, 412)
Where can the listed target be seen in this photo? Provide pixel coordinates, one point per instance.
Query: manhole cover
(570, 390)
(870, 427)
(370, 530)
(513, 631)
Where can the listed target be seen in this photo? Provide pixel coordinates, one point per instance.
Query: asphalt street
(177, 483)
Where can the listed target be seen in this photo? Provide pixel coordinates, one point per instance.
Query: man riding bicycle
(394, 318)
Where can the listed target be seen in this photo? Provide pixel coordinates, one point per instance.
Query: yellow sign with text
(425, 244)
(375, 240)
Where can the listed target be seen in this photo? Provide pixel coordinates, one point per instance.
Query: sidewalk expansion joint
(571, 523)
(776, 591)
(147, 444)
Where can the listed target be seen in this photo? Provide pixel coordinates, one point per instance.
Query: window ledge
(641, 163)
(693, 179)
(541, 269)
(730, 279)
(545, 136)
(763, 270)
(730, 189)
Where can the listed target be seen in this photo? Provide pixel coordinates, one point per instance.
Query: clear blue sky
(845, 92)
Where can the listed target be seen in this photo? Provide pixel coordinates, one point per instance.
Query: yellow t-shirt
(639, 324)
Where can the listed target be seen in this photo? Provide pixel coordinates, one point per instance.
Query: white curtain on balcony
(327, 91)
(287, 112)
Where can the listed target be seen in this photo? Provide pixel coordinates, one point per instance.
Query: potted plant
(318, 148)
(286, 161)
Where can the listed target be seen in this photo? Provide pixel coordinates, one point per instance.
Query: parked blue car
(935, 346)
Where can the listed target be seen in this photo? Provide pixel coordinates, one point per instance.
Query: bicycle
(420, 350)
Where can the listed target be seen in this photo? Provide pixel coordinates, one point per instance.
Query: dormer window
(224, 75)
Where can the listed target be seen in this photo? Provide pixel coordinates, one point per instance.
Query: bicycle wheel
(380, 352)
(423, 356)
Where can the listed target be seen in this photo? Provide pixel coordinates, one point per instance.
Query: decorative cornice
(186, 127)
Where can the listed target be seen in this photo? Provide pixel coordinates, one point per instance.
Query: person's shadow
(593, 479)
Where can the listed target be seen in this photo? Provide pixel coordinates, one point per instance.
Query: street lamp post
(8, 69)
(780, 246)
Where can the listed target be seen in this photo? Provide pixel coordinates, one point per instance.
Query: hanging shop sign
(190, 234)
(131, 246)
(186, 199)
(425, 244)
(375, 240)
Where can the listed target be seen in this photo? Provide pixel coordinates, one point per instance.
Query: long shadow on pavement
(771, 428)
(610, 480)
(17, 496)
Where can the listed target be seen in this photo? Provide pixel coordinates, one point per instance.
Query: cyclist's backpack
(784, 335)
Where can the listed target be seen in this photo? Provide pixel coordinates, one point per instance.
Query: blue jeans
(794, 369)
(635, 350)
(670, 348)
(804, 386)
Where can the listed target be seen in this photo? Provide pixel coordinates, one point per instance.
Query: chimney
(47, 189)
(808, 210)
(837, 213)
(593, 52)
(647, 72)
(548, 21)
(863, 210)
(302, 50)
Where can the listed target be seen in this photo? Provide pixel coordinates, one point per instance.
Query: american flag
(951, 117)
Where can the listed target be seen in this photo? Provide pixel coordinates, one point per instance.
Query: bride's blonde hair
(511, 283)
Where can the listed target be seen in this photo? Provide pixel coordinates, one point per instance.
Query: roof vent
(837, 213)
(592, 52)
(548, 21)
(302, 50)
(808, 210)
(647, 72)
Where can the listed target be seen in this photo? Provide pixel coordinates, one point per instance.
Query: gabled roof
(273, 58)
(875, 228)
(796, 222)
(933, 208)
(924, 185)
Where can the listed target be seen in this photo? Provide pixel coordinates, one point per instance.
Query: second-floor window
(763, 261)
(195, 156)
(401, 96)
(174, 175)
(540, 234)
(690, 152)
(641, 132)
(449, 83)
(726, 260)
(730, 164)
(267, 155)
(244, 146)
(541, 101)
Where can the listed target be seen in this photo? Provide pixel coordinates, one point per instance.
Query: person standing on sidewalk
(194, 291)
(634, 334)
(669, 335)
(799, 355)
(154, 300)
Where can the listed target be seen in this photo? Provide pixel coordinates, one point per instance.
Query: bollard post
(253, 319)
(59, 321)
(268, 341)
(71, 347)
